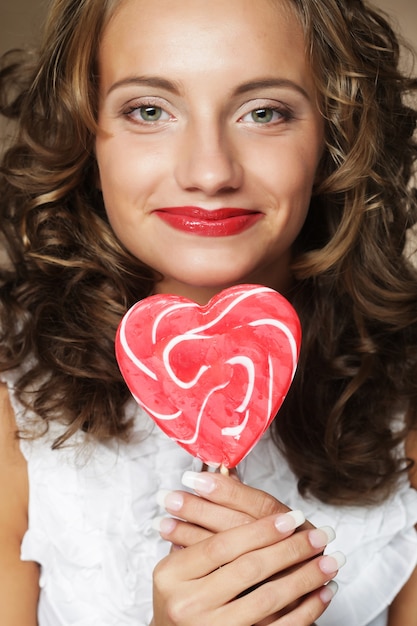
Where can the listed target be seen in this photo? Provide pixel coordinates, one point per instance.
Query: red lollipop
(212, 377)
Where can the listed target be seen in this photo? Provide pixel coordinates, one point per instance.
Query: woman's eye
(264, 115)
(147, 113)
(150, 113)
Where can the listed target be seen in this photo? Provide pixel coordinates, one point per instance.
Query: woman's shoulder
(29, 427)
(13, 470)
(18, 580)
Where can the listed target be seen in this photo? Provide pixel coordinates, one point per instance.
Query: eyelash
(135, 108)
(284, 113)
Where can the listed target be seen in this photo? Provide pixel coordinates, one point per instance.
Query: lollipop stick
(215, 468)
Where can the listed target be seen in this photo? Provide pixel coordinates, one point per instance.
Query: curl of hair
(69, 281)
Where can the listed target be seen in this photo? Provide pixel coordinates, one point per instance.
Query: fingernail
(170, 500)
(331, 563)
(289, 521)
(328, 592)
(164, 525)
(320, 537)
(199, 482)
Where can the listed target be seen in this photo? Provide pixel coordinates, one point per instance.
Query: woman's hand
(222, 502)
(216, 580)
(242, 562)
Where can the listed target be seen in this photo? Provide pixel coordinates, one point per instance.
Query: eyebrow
(269, 83)
(146, 81)
(173, 87)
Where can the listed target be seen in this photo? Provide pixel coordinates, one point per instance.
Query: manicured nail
(199, 482)
(170, 500)
(320, 537)
(328, 592)
(331, 563)
(289, 521)
(164, 525)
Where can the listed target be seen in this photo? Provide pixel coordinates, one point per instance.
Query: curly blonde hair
(355, 292)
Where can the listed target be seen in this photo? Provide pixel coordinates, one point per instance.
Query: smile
(215, 223)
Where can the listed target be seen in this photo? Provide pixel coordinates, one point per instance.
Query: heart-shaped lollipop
(212, 377)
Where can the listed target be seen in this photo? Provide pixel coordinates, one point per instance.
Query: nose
(207, 161)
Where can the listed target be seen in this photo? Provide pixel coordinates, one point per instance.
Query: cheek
(290, 190)
(106, 164)
(129, 170)
(289, 167)
(118, 175)
(301, 174)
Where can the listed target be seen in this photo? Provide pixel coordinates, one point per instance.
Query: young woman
(183, 147)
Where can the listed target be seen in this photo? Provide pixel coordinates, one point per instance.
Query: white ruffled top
(90, 527)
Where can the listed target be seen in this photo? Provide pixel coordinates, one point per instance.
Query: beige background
(20, 20)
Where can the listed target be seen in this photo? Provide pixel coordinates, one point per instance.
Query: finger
(305, 612)
(195, 565)
(207, 556)
(273, 597)
(202, 512)
(218, 589)
(260, 565)
(180, 533)
(233, 494)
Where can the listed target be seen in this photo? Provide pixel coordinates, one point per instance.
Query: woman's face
(209, 140)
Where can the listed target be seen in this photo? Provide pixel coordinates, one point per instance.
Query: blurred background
(20, 20)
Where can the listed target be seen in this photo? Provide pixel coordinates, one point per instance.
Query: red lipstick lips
(214, 223)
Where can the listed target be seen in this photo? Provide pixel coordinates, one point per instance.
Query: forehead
(180, 36)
